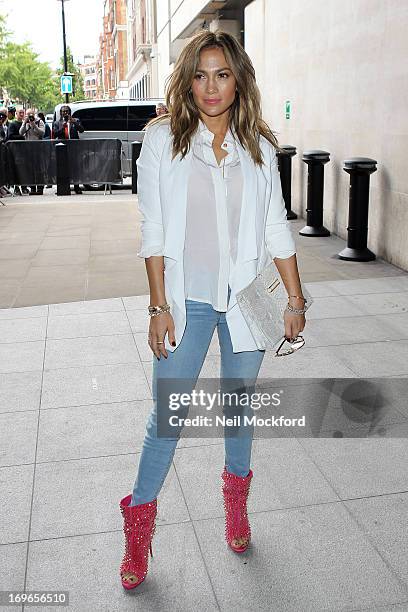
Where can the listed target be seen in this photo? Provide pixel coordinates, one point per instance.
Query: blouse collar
(204, 149)
(204, 132)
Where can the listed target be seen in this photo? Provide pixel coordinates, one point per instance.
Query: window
(103, 119)
(139, 116)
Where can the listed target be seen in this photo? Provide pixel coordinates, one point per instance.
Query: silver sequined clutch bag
(263, 303)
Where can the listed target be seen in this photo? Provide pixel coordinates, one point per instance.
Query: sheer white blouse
(214, 196)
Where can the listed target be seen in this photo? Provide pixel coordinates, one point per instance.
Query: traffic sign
(66, 84)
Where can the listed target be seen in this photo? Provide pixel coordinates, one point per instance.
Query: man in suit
(67, 128)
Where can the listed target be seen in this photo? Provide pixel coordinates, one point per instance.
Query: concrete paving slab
(96, 483)
(376, 358)
(20, 391)
(21, 356)
(356, 330)
(86, 307)
(308, 558)
(26, 312)
(22, 330)
(78, 432)
(319, 362)
(177, 578)
(362, 467)
(284, 476)
(16, 484)
(18, 437)
(383, 519)
(91, 351)
(12, 570)
(75, 386)
(84, 325)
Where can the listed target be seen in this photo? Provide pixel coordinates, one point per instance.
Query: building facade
(321, 61)
(89, 75)
(142, 61)
(178, 21)
(112, 60)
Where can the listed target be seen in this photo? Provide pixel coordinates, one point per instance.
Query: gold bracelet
(154, 310)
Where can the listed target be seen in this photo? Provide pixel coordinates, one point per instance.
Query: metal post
(136, 146)
(64, 40)
(315, 161)
(63, 178)
(359, 169)
(285, 171)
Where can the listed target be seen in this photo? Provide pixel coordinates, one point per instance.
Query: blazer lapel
(175, 193)
(247, 245)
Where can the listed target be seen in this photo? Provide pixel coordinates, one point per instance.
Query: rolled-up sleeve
(278, 234)
(148, 192)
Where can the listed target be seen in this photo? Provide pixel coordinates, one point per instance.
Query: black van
(123, 119)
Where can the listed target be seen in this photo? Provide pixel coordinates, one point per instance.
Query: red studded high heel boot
(235, 491)
(139, 527)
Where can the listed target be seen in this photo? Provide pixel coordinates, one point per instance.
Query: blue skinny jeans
(186, 362)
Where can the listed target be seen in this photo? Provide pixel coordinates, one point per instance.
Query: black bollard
(315, 161)
(359, 169)
(136, 146)
(63, 178)
(285, 170)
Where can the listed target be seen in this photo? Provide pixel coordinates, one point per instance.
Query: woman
(212, 215)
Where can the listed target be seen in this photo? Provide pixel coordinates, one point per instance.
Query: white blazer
(264, 232)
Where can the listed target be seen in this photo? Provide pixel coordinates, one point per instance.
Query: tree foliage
(29, 80)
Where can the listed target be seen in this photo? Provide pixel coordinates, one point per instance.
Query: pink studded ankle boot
(235, 491)
(139, 527)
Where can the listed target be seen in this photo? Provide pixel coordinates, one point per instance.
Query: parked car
(123, 119)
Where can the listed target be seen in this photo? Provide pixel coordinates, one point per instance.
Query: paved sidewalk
(328, 516)
(62, 249)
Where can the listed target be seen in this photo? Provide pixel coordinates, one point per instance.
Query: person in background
(47, 132)
(3, 124)
(67, 128)
(33, 129)
(13, 133)
(11, 113)
(15, 125)
(161, 109)
(3, 136)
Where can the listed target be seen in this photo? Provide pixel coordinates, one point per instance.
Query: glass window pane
(139, 116)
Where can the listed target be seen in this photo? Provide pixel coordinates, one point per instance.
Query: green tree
(31, 81)
(25, 77)
(22, 74)
(4, 34)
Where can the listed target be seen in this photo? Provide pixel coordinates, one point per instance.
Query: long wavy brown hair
(245, 115)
